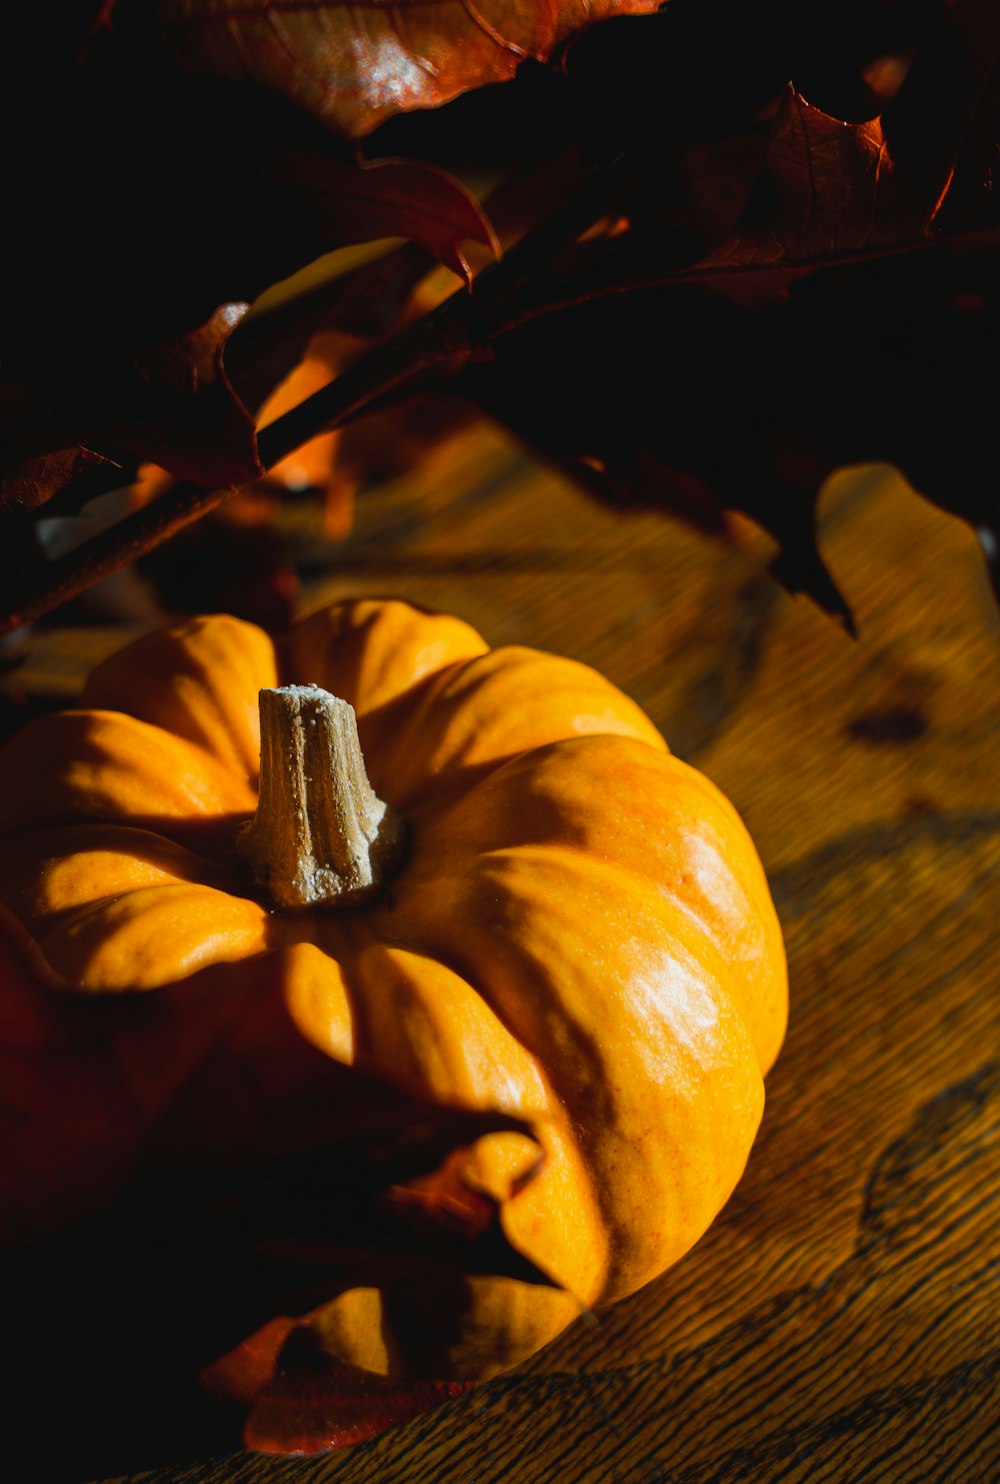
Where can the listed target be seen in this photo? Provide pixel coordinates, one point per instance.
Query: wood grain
(841, 1319)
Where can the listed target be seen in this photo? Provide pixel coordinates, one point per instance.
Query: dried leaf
(353, 68)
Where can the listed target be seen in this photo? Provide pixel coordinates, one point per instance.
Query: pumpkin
(516, 908)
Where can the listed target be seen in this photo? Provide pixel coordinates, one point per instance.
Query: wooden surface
(841, 1319)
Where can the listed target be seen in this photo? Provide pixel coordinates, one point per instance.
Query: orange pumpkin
(574, 944)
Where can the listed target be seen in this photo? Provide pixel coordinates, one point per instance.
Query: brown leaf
(352, 68)
(208, 1145)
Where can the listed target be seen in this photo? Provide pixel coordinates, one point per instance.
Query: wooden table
(841, 1319)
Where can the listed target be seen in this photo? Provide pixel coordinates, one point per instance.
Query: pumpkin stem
(321, 837)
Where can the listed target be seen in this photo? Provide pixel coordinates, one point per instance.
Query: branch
(405, 358)
(457, 331)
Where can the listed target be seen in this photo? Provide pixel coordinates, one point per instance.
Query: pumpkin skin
(580, 938)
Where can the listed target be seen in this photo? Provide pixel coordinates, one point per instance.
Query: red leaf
(355, 66)
(828, 188)
(827, 192)
(345, 202)
(197, 425)
(172, 405)
(832, 191)
(27, 483)
(312, 1402)
(66, 1134)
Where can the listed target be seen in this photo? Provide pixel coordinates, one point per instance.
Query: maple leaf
(233, 561)
(750, 216)
(832, 258)
(832, 191)
(174, 403)
(706, 200)
(828, 189)
(203, 200)
(352, 68)
(737, 407)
